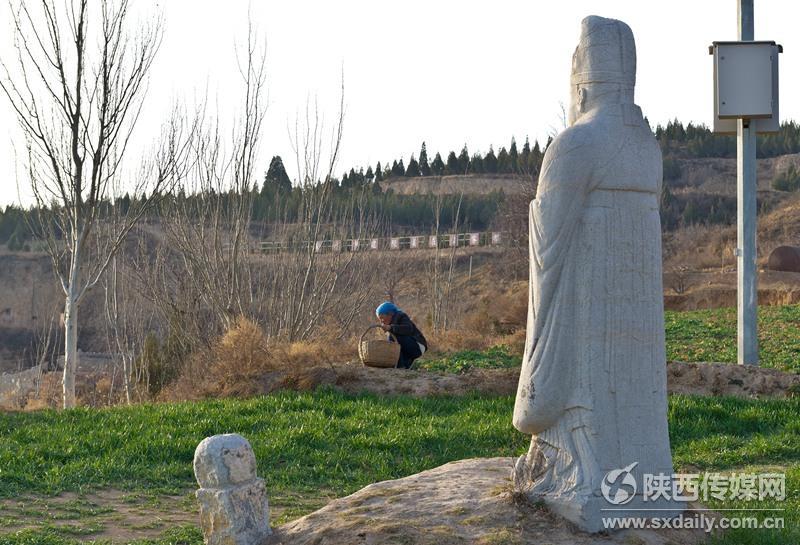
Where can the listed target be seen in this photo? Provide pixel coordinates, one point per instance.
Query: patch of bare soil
(469, 501)
(105, 514)
(716, 379)
(682, 378)
(124, 517)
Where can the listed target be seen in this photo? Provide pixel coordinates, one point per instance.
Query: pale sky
(447, 72)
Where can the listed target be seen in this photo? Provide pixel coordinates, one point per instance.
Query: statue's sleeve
(547, 376)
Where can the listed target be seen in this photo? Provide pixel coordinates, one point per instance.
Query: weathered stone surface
(464, 502)
(233, 501)
(224, 460)
(593, 386)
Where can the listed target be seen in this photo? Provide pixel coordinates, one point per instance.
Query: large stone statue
(592, 391)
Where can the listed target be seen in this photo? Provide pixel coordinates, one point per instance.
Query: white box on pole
(746, 85)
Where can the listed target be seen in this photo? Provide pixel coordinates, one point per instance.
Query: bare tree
(127, 321)
(208, 230)
(440, 286)
(77, 86)
(42, 348)
(312, 285)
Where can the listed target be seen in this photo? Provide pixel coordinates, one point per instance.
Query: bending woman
(397, 323)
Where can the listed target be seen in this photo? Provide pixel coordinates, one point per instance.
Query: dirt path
(682, 378)
(106, 514)
(123, 517)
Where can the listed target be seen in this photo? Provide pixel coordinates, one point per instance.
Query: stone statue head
(224, 460)
(603, 65)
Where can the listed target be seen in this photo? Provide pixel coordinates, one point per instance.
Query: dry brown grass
(244, 362)
(700, 247)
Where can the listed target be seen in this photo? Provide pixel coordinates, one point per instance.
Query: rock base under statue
(589, 515)
(469, 501)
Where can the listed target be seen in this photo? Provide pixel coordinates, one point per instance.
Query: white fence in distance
(393, 243)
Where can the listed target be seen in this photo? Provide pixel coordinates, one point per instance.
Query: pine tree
(378, 172)
(503, 161)
(369, 176)
(424, 167)
(691, 214)
(513, 156)
(524, 160)
(452, 164)
(463, 161)
(276, 177)
(401, 168)
(16, 242)
(476, 164)
(490, 162)
(413, 168)
(437, 166)
(350, 179)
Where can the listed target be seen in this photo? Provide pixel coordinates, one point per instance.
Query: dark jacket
(403, 326)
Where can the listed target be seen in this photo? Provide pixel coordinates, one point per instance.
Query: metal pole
(746, 294)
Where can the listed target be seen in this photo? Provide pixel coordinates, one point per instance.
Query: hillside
(469, 184)
(710, 175)
(699, 267)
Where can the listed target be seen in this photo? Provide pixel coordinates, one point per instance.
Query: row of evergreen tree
(278, 198)
(414, 211)
(14, 231)
(691, 140)
(507, 161)
(699, 141)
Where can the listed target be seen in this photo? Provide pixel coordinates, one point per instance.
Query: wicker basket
(378, 353)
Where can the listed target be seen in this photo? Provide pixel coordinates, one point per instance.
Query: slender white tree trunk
(70, 348)
(126, 374)
(71, 326)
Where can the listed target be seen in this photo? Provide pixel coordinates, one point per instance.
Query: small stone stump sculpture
(233, 501)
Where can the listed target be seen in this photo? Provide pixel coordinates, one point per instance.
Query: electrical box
(746, 85)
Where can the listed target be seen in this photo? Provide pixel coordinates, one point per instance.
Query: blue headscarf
(387, 307)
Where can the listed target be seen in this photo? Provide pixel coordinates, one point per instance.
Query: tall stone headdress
(606, 53)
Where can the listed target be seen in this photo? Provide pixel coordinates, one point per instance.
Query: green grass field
(493, 358)
(696, 336)
(312, 447)
(710, 335)
(326, 444)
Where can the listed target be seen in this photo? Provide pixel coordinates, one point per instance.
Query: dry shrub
(455, 340)
(241, 352)
(500, 310)
(226, 368)
(50, 394)
(99, 390)
(515, 341)
(244, 362)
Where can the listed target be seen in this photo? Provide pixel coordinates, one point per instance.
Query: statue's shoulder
(579, 133)
(573, 150)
